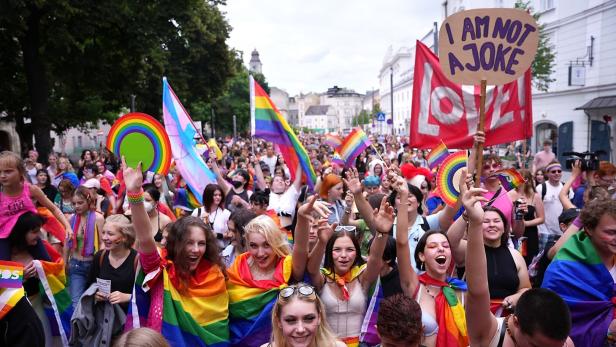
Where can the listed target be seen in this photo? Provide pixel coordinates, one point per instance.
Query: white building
(345, 104)
(281, 100)
(74, 140)
(300, 103)
(255, 63)
(321, 118)
(578, 111)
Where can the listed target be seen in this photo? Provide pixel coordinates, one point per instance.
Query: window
(546, 4)
(79, 142)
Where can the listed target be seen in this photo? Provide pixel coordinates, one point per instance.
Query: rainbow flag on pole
(267, 123)
(332, 140)
(251, 301)
(353, 145)
(510, 178)
(437, 155)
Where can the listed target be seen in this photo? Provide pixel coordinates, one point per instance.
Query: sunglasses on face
(304, 290)
(556, 171)
(493, 166)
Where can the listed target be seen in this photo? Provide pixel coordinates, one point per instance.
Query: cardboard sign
(497, 45)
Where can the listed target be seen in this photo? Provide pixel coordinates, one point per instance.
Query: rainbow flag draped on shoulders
(267, 123)
(194, 314)
(450, 314)
(579, 276)
(251, 301)
(54, 286)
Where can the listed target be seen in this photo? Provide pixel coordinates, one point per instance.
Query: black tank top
(502, 272)
(232, 193)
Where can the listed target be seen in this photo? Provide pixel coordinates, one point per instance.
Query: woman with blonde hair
(141, 337)
(255, 277)
(298, 319)
(65, 172)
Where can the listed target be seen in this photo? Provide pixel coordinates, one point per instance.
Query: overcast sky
(312, 45)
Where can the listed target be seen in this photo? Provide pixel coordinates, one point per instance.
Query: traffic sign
(380, 117)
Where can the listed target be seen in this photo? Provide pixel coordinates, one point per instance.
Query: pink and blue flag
(182, 132)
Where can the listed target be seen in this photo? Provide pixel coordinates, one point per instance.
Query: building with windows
(321, 119)
(579, 109)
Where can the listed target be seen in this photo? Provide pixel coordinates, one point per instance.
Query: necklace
(432, 294)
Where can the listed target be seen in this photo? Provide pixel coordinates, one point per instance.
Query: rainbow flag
(12, 274)
(579, 276)
(332, 140)
(54, 287)
(369, 335)
(267, 123)
(9, 297)
(182, 132)
(194, 316)
(353, 145)
(437, 155)
(251, 301)
(510, 178)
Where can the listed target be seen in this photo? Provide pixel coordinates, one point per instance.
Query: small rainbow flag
(267, 123)
(353, 145)
(11, 274)
(332, 140)
(510, 178)
(251, 301)
(437, 155)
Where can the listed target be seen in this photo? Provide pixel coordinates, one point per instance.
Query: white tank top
(345, 317)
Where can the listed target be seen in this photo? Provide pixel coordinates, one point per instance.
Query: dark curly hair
(399, 319)
(176, 240)
(208, 195)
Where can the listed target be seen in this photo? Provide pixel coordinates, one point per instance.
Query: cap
(568, 215)
(92, 183)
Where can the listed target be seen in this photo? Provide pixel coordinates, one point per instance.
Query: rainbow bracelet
(135, 198)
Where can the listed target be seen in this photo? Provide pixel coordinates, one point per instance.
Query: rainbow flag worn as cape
(353, 145)
(267, 123)
(54, 286)
(579, 276)
(10, 291)
(450, 314)
(251, 301)
(510, 178)
(90, 235)
(437, 155)
(196, 315)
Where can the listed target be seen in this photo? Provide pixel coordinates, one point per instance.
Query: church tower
(255, 62)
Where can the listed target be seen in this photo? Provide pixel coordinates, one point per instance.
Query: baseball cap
(92, 183)
(568, 215)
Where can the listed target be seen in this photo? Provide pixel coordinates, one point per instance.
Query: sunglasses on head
(348, 228)
(304, 290)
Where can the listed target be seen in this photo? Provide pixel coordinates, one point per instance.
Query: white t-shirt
(552, 207)
(285, 202)
(271, 163)
(416, 232)
(218, 220)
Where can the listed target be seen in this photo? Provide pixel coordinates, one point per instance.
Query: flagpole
(198, 131)
(480, 127)
(377, 153)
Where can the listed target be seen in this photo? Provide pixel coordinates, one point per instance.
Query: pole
(391, 97)
(523, 163)
(212, 127)
(435, 33)
(132, 102)
(480, 127)
(379, 154)
(234, 128)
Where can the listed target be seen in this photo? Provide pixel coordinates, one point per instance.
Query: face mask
(237, 184)
(148, 206)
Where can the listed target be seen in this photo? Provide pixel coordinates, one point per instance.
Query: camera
(589, 160)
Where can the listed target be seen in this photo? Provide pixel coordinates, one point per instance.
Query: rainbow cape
(90, 237)
(353, 145)
(54, 286)
(437, 155)
(10, 293)
(267, 123)
(196, 316)
(450, 314)
(251, 301)
(579, 276)
(510, 178)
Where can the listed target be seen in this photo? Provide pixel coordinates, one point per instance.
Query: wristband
(578, 222)
(135, 198)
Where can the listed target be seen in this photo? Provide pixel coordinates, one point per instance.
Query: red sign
(443, 110)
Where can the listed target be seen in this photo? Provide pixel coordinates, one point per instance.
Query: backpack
(544, 187)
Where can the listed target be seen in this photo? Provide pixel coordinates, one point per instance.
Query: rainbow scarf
(342, 281)
(268, 124)
(11, 289)
(449, 312)
(90, 237)
(251, 301)
(579, 276)
(54, 286)
(195, 316)
(353, 145)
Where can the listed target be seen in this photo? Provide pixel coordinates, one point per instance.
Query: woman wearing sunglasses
(298, 319)
(344, 282)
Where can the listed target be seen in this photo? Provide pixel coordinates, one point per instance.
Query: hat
(92, 183)
(568, 215)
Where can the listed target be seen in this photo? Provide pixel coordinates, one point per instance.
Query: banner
(443, 110)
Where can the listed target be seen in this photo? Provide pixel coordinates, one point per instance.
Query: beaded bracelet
(135, 198)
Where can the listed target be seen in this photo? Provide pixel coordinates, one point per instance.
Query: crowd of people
(369, 256)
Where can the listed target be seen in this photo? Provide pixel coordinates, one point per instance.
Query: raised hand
(384, 217)
(398, 183)
(320, 208)
(325, 230)
(133, 178)
(348, 199)
(352, 181)
(471, 199)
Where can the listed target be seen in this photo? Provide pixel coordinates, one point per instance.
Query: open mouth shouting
(441, 259)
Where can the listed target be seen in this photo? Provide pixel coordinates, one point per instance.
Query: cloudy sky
(312, 45)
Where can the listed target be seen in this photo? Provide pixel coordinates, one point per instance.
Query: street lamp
(391, 96)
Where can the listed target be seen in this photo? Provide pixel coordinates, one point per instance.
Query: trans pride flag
(353, 145)
(267, 123)
(251, 301)
(182, 132)
(579, 276)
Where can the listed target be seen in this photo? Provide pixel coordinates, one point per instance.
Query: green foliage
(543, 65)
(67, 63)
(362, 118)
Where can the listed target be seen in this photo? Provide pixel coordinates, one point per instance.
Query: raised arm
(573, 229)
(300, 248)
(408, 276)
(455, 234)
(42, 199)
(297, 183)
(383, 219)
(259, 179)
(482, 323)
(363, 206)
(133, 179)
(563, 196)
(325, 232)
(219, 179)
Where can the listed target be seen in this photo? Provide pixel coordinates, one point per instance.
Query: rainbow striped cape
(90, 237)
(267, 123)
(195, 316)
(450, 314)
(579, 276)
(54, 286)
(251, 301)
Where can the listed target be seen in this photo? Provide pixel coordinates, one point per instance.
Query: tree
(362, 118)
(67, 63)
(543, 64)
